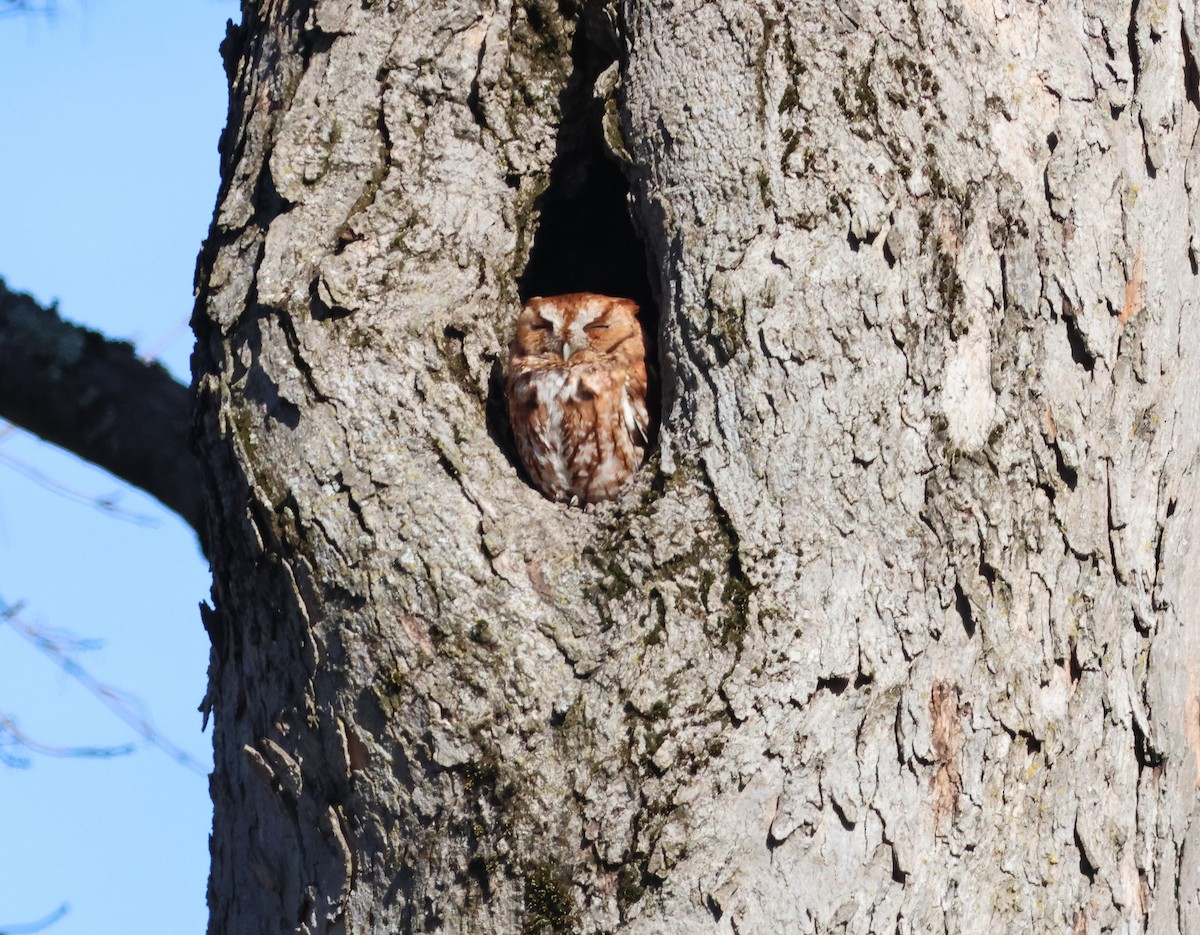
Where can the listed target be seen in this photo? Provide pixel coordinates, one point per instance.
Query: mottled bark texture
(96, 398)
(897, 631)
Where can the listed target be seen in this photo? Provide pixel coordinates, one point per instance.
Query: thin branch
(61, 648)
(96, 398)
(108, 504)
(12, 736)
(29, 927)
(17, 7)
(154, 351)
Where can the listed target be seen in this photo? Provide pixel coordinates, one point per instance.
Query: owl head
(564, 325)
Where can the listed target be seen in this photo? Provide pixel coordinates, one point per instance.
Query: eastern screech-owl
(576, 392)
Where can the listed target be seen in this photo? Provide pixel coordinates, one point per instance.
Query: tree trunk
(897, 629)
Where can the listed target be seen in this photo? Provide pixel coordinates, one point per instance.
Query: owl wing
(637, 419)
(625, 390)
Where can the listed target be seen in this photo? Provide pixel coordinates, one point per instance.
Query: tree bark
(896, 631)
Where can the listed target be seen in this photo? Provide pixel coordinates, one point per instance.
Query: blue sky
(110, 111)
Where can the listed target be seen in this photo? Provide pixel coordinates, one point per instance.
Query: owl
(576, 393)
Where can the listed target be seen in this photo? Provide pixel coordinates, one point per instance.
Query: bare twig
(28, 927)
(15, 7)
(105, 504)
(60, 648)
(12, 736)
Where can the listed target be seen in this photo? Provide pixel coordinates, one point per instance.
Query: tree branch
(97, 398)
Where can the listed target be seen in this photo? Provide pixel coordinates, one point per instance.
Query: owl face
(576, 393)
(564, 325)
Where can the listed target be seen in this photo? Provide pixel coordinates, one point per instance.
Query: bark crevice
(585, 240)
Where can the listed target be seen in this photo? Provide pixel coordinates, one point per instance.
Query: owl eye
(596, 326)
(541, 326)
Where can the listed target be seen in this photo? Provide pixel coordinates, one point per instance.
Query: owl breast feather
(579, 432)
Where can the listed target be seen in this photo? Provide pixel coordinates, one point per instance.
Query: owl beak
(568, 350)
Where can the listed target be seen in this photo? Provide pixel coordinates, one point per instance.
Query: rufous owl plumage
(576, 392)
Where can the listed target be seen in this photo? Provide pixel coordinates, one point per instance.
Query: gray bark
(897, 631)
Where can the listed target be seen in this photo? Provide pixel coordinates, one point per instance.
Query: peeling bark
(896, 630)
